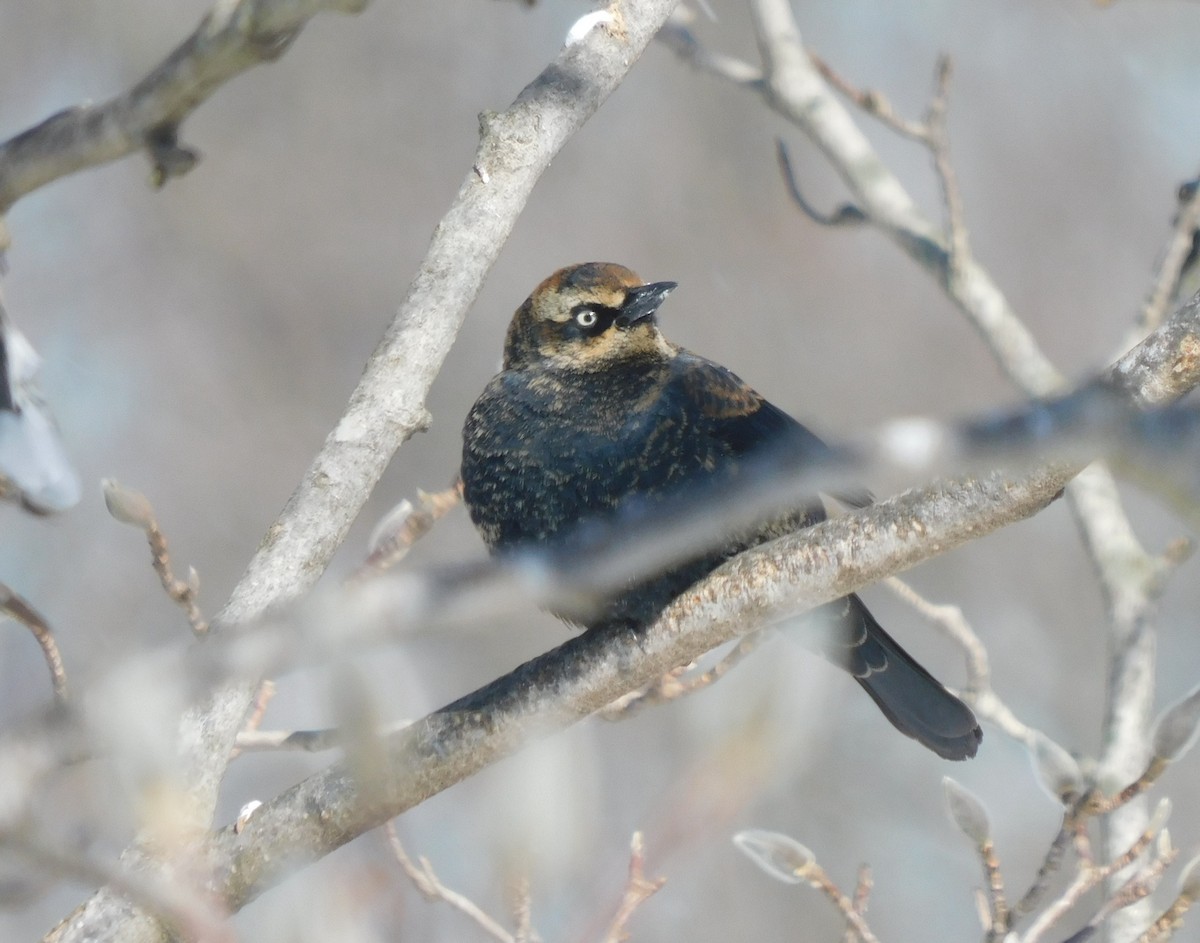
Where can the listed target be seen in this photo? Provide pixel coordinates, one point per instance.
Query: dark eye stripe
(605, 316)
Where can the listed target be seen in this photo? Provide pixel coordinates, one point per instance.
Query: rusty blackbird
(595, 412)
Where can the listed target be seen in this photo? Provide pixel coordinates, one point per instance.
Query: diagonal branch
(563, 686)
(567, 684)
(230, 39)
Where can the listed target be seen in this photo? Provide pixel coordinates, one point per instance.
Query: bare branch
(1091, 875)
(426, 881)
(673, 685)
(978, 692)
(794, 87)
(862, 894)
(638, 889)
(304, 741)
(872, 102)
(231, 38)
(676, 36)
(1051, 864)
(12, 604)
(939, 142)
(132, 507)
(403, 526)
(266, 691)
(1179, 250)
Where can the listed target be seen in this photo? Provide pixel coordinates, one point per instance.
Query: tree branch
(387, 406)
(793, 86)
(230, 39)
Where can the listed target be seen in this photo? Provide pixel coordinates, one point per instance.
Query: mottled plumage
(595, 411)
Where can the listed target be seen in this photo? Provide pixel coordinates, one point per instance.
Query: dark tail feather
(909, 696)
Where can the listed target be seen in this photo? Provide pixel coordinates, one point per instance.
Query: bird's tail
(909, 696)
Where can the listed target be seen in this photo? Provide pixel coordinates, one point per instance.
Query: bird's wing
(747, 423)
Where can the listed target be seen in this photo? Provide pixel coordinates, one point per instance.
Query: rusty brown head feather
(586, 317)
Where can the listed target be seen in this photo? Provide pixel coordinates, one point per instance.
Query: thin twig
(1051, 864)
(862, 894)
(266, 691)
(134, 508)
(638, 889)
(182, 593)
(816, 877)
(305, 741)
(872, 102)
(845, 215)
(1180, 249)
(12, 604)
(939, 143)
(1138, 887)
(1090, 875)
(979, 692)
(673, 685)
(426, 881)
(403, 526)
(1097, 804)
(677, 36)
(999, 915)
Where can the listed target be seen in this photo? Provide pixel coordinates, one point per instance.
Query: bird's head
(587, 317)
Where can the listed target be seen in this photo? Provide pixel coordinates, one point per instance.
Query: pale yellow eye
(586, 318)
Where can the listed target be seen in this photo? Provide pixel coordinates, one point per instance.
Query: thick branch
(588, 672)
(230, 39)
(565, 685)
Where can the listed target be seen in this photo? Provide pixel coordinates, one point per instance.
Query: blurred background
(201, 341)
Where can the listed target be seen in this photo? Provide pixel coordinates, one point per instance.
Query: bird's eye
(585, 318)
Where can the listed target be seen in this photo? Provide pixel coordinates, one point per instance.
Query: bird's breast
(542, 454)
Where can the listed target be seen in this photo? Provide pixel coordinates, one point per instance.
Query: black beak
(643, 301)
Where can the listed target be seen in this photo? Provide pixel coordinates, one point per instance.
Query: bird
(595, 416)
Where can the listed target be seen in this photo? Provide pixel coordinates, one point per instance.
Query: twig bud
(126, 505)
(1176, 727)
(386, 533)
(1189, 880)
(1162, 844)
(967, 812)
(1158, 820)
(1057, 770)
(784, 858)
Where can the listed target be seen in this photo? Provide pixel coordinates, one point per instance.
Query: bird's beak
(643, 301)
